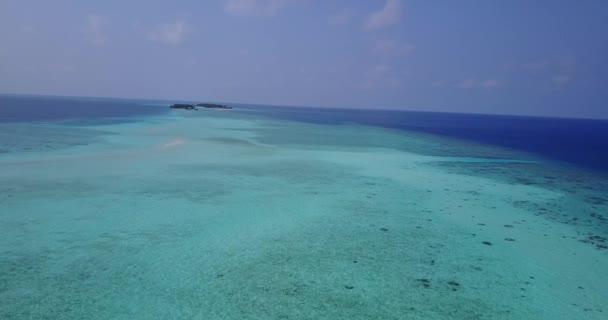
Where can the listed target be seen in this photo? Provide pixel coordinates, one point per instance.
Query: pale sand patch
(114, 154)
(173, 143)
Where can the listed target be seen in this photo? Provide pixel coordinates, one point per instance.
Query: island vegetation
(186, 106)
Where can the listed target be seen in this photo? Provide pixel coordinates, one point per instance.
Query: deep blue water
(93, 110)
(582, 142)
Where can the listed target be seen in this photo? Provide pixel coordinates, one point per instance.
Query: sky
(545, 57)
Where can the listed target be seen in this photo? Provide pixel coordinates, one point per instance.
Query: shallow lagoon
(226, 215)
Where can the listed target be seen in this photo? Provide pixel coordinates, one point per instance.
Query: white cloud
(560, 79)
(95, 26)
(378, 70)
(467, 84)
(341, 18)
(537, 65)
(394, 82)
(259, 8)
(390, 14)
(557, 70)
(557, 63)
(392, 48)
(438, 83)
(172, 33)
(472, 83)
(378, 76)
(491, 83)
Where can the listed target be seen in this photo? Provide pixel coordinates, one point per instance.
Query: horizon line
(307, 106)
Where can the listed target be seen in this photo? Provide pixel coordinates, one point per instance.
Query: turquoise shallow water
(222, 215)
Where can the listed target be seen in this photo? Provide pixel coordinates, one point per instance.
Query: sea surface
(125, 209)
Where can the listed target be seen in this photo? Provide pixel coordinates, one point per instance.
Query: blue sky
(511, 56)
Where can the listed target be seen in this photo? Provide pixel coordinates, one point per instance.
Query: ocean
(581, 142)
(113, 208)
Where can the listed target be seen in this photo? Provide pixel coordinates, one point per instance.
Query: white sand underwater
(213, 215)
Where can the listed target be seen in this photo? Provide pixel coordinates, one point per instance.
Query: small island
(200, 105)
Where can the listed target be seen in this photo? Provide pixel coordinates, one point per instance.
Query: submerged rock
(425, 282)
